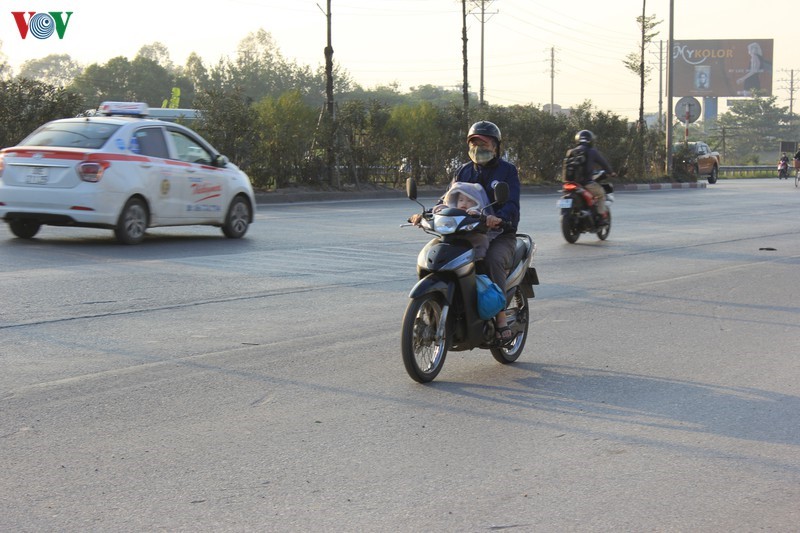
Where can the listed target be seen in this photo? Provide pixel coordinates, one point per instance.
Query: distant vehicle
(783, 169)
(121, 170)
(184, 116)
(697, 159)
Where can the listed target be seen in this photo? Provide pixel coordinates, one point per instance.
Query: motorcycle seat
(520, 251)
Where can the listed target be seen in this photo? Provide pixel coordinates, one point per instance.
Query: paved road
(194, 383)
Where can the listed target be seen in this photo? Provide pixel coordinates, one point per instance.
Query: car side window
(190, 151)
(150, 142)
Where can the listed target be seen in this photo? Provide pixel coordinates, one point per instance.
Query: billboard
(725, 67)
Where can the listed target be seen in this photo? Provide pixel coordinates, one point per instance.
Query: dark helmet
(484, 127)
(584, 137)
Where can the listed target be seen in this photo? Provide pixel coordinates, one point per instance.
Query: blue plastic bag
(491, 299)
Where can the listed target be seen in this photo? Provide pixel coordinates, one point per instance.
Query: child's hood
(473, 191)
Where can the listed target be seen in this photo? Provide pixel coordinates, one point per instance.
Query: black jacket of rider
(595, 160)
(487, 175)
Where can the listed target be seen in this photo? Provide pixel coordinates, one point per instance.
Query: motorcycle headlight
(445, 225)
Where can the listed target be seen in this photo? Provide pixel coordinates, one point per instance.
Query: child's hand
(473, 212)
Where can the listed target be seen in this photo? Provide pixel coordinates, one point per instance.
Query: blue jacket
(487, 175)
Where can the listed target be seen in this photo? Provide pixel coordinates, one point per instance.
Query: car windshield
(71, 134)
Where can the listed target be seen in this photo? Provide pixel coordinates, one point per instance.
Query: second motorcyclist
(579, 166)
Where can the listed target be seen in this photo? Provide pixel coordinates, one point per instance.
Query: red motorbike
(579, 210)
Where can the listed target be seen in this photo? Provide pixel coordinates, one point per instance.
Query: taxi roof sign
(133, 109)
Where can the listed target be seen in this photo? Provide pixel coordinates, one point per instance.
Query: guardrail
(742, 170)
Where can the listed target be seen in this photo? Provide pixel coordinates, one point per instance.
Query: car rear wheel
(24, 229)
(132, 222)
(238, 219)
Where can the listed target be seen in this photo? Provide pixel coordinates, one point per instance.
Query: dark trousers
(498, 258)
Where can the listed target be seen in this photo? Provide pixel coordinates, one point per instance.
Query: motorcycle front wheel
(569, 227)
(518, 313)
(602, 233)
(423, 353)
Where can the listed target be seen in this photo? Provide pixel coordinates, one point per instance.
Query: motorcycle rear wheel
(602, 233)
(423, 354)
(520, 312)
(569, 228)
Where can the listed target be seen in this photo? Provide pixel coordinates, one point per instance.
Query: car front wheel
(238, 218)
(712, 179)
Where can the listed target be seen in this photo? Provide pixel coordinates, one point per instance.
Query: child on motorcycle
(471, 198)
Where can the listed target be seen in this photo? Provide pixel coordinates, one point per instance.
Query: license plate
(564, 203)
(36, 175)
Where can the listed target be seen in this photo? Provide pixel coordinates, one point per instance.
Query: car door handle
(191, 170)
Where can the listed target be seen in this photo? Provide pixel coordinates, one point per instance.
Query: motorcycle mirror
(501, 192)
(411, 188)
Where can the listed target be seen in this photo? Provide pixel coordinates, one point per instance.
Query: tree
(140, 80)
(196, 72)
(635, 62)
(414, 128)
(27, 104)
(229, 124)
(56, 69)
(751, 127)
(258, 67)
(158, 53)
(535, 140)
(5, 68)
(286, 131)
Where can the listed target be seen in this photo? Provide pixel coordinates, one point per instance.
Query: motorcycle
(579, 210)
(783, 169)
(443, 314)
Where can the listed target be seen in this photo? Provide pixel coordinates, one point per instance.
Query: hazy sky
(416, 42)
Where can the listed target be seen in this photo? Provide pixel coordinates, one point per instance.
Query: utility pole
(669, 86)
(483, 23)
(552, 79)
(641, 74)
(660, 83)
(464, 54)
(331, 151)
(483, 4)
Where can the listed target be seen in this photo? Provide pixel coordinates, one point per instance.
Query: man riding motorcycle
(579, 166)
(487, 168)
(783, 166)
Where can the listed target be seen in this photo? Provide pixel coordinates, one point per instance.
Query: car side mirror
(221, 161)
(411, 188)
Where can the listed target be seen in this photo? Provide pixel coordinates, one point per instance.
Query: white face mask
(480, 155)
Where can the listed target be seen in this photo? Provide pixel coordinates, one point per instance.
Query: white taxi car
(122, 171)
